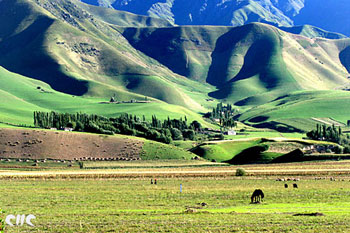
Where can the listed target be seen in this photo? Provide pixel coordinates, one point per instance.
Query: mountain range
(70, 56)
(331, 15)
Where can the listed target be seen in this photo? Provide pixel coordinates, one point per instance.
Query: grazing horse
(257, 196)
(295, 186)
(286, 186)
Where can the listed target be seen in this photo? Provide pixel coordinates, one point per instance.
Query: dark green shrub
(338, 150)
(189, 134)
(346, 150)
(240, 172)
(176, 134)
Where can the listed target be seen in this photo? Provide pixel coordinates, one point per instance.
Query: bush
(164, 139)
(240, 172)
(176, 134)
(346, 150)
(338, 150)
(189, 134)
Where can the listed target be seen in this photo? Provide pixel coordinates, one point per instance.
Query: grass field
(134, 205)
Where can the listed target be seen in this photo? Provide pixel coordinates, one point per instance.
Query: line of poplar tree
(128, 124)
(330, 133)
(225, 114)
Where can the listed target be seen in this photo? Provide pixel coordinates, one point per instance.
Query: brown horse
(257, 196)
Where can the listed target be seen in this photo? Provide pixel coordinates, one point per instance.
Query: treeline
(161, 131)
(330, 133)
(224, 114)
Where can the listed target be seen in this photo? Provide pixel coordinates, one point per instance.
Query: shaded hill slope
(65, 46)
(87, 51)
(249, 65)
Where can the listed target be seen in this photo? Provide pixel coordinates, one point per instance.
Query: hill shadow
(25, 53)
(344, 57)
(262, 59)
(250, 155)
(224, 48)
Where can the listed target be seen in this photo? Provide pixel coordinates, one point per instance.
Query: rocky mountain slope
(325, 14)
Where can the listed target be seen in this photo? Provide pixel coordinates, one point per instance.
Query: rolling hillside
(249, 65)
(68, 56)
(63, 45)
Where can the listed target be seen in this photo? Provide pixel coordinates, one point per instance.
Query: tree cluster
(225, 115)
(330, 133)
(162, 131)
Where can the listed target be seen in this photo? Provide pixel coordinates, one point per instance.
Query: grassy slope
(223, 151)
(21, 97)
(293, 108)
(249, 65)
(154, 150)
(241, 151)
(83, 55)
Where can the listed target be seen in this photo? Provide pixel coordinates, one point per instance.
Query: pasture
(123, 200)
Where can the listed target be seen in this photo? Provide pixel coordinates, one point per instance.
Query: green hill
(249, 65)
(81, 55)
(300, 110)
(21, 96)
(66, 47)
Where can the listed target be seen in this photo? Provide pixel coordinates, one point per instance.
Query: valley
(158, 116)
(94, 54)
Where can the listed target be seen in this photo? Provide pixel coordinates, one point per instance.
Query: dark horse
(257, 196)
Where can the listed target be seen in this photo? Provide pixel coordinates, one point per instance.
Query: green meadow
(134, 205)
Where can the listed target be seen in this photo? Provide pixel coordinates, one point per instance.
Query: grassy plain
(134, 205)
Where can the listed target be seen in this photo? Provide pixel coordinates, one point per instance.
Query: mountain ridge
(94, 53)
(238, 12)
